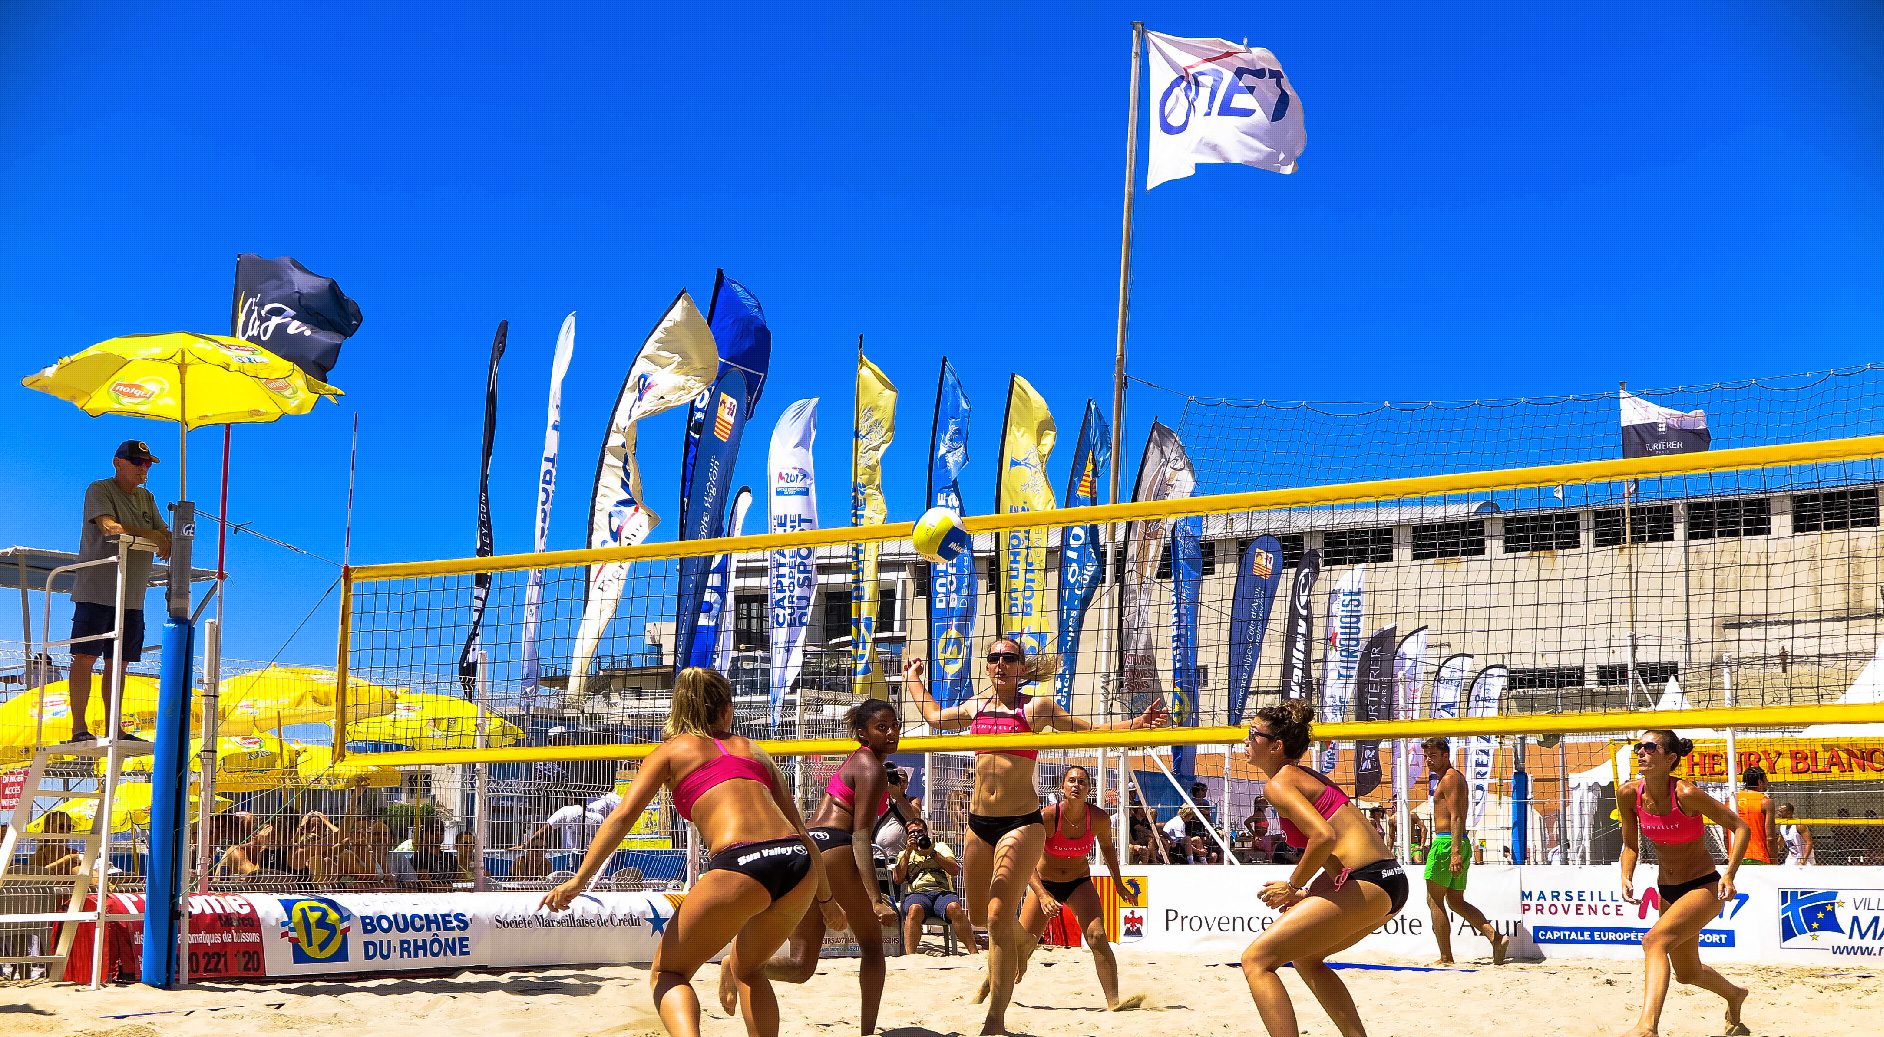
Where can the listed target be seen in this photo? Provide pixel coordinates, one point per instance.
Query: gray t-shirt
(135, 508)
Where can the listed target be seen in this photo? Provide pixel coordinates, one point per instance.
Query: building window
(1648, 524)
(1449, 540)
(836, 610)
(1557, 531)
(1652, 675)
(1837, 509)
(750, 618)
(1203, 676)
(1708, 520)
(1546, 678)
(1355, 546)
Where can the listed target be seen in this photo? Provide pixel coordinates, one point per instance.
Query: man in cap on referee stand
(113, 507)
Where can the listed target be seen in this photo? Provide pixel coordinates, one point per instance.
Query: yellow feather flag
(875, 427)
(1026, 440)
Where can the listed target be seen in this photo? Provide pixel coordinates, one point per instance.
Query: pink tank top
(1015, 723)
(1330, 800)
(839, 789)
(1072, 849)
(726, 767)
(1676, 826)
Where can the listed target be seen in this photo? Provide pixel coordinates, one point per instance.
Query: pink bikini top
(1015, 723)
(726, 767)
(1676, 826)
(1330, 800)
(1072, 849)
(839, 789)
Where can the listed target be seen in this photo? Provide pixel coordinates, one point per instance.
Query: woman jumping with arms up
(1004, 823)
(763, 874)
(1344, 886)
(1669, 811)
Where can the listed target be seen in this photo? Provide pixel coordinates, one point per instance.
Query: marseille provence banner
(1347, 608)
(674, 365)
(1217, 101)
(1298, 629)
(875, 427)
(952, 587)
(1027, 439)
(1187, 580)
(1258, 573)
(1373, 700)
(487, 544)
(1482, 750)
(1651, 430)
(713, 636)
(545, 493)
(792, 574)
(1080, 550)
(1164, 473)
(292, 312)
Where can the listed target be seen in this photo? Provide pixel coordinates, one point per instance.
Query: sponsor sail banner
(1081, 554)
(1651, 430)
(545, 494)
(1449, 685)
(294, 313)
(1482, 750)
(1164, 473)
(1341, 667)
(1373, 700)
(481, 582)
(791, 574)
(1217, 101)
(713, 636)
(1187, 582)
(1258, 573)
(1409, 660)
(875, 426)
(674, 365)
(952, 587)
(715, 424)
(1298, 629)
(1027, 438)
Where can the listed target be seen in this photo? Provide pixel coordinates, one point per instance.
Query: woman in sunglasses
(1345, 884)
(1004, 823)
(1668, 810)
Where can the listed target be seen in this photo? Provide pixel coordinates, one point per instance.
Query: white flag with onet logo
(1217, 101)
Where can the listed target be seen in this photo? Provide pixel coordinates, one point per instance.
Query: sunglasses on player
(1004, 657)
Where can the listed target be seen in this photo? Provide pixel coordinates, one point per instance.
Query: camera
(892, 774)
(924, 842)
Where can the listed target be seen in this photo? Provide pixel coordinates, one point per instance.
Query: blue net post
(1520, 815)
(169, 818)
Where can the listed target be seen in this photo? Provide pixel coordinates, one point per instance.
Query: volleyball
(939, 536)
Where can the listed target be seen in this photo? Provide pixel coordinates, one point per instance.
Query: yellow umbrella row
(21, 716)
(278, 696)
(427, 721)
(130, 808)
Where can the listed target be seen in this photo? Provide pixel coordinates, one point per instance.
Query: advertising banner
(713, 635)
(1258, 573)
(871, 433)
(1081, 553)
(952, 587)
(1164, 473)
(1298, 629)
(1341, 667)
(545, 495)
(487, 545)
(1804, 758)
(1027, 439)
(1482, 750)
(1373, 701)
(1187, 582)
(792, 574)
(1217, 101)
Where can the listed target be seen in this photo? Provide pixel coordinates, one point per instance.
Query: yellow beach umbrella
(272, 698)
(130, 808)
(427, 721)
(20, 716)
(316, 769)
(193, 380)
(237, 754)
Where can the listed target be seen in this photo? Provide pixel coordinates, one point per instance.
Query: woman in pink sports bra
(844, 833)
(762, 877)
(1669, 812)
(1344, 886)
(1005, 833)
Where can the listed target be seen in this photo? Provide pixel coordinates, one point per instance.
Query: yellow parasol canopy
(237, 754)
(130, 808)
(427, 721)
(272, 698)
(317, 770)
(20, 715)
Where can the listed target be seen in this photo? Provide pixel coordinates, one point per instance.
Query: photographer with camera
(927, 869)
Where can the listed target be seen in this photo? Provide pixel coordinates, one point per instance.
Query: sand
(928, 996)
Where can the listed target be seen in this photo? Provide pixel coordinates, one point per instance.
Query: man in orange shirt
(1755, 807)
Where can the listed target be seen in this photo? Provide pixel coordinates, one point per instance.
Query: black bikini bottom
(1674, 891)
(829, 838)
(1063, 891)
(777, 864)
(990, 829)
(1385, 873)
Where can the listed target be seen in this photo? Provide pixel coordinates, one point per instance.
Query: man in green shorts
(1449, 857)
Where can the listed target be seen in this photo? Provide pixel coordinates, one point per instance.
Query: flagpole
(856, 517)
(1628, 558)
(1113, 574)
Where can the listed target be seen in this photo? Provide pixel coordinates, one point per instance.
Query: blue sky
(1495, 200)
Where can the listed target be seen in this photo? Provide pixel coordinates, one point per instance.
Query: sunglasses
(1647, 747)
(1004, 657)
(146, 463)
(1253, 733)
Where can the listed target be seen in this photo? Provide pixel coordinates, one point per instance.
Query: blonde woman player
(1005, 832)
(1668, 811)
(763, 873)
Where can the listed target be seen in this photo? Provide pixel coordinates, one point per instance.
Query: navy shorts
(934, 905)
(90, 619)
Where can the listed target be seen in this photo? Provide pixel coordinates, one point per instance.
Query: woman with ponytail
(1345, 884)
(1669, 811)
